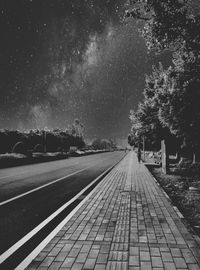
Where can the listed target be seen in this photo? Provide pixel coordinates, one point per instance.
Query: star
(46, 58)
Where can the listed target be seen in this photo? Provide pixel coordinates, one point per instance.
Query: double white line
(28, 236)
(23, 240)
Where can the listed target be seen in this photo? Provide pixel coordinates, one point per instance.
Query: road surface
(30, 194)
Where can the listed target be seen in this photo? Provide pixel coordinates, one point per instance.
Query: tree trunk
(194, 157)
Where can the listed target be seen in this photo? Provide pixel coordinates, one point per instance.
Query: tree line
(36, 140)
(170, 108)
(45, 140)
(101, 144)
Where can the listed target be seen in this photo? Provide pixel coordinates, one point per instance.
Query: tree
(172, 25)
(105, 144)
(168, 24)
(131, 140)
(181, 114)
(145, 121)
(96, 144)
(100, 144)
(77, 128)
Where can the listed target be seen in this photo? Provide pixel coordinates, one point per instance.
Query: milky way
(62, 60)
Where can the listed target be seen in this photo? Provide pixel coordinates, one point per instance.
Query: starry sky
(67, 59)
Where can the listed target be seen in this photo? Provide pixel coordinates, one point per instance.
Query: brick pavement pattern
(127, 223)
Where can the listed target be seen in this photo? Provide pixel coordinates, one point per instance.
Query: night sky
(67, 59)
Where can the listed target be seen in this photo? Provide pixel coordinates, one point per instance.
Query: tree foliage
(100, 144)
(55, 140)
(168, 24)
(146, 120)
(171, 96)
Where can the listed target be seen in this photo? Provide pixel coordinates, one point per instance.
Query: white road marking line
(40, 247)
(17, 245)
(43, 186)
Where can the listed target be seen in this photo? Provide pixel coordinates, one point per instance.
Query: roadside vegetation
(33, 146)
(182, 185)
(170, 109)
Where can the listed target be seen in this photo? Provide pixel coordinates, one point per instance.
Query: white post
(144, 148)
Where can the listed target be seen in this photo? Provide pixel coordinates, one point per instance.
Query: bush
(20, 148)
(38, 148)
(53, 139)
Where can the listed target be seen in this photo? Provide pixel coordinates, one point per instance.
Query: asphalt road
(19, 216)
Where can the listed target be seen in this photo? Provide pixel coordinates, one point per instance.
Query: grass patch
(182, 185)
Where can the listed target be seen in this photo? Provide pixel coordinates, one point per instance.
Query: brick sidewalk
(126, 223)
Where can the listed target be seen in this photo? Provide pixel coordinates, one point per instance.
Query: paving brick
(49, 247)
(154, 251)
(85, 248)
(193, 267)
(55, 266)
(77, 266)
(42, 267)
(90, 264)
(54, 252)
(68, 262)
(134, 260)
(146, 265)
(134, 251)
(100, 267)
(93, 253)
(166, 257)
(144, 256)
(81, 258)
(125, 224)
(47, 261)
(102, 258)
(41, 256)
(176, 252)
(169, 266)
(180, 263)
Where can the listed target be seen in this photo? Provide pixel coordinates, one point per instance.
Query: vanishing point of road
(30, 194)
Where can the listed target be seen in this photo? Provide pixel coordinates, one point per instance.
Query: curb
(45, 241)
